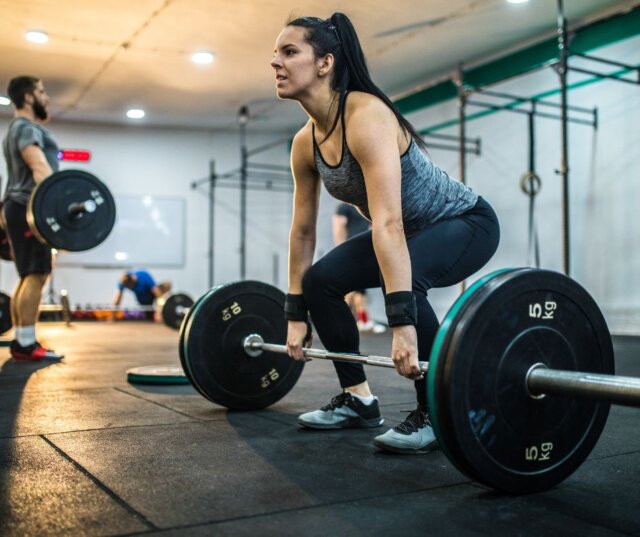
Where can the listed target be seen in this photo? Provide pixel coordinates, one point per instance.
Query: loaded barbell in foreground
(519, 380)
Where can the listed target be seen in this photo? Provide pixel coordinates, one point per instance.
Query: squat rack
(248, 176)
(562, 66)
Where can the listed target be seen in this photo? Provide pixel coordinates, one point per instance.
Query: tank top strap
(342, 122)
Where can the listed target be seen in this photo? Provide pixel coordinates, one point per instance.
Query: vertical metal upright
(563, 50)
(462, 153)
(243, 119)
(212, 186)
(462, 105)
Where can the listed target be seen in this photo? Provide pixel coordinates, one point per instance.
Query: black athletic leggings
(442, 254)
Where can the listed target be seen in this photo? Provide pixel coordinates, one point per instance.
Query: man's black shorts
(31, 256)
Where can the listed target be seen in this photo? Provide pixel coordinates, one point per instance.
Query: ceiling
(106, 56)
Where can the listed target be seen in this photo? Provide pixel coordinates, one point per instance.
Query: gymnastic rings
(530, 183)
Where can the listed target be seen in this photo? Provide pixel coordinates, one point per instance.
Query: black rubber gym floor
(82, 452)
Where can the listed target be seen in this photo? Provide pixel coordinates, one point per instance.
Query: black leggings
(442, 254)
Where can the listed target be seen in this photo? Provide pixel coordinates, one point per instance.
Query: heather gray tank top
(428, 194)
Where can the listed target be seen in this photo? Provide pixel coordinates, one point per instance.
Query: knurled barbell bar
(540, 380)
(519, 381)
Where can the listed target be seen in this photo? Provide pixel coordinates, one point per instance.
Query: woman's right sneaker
(414, 435)
(343, 412)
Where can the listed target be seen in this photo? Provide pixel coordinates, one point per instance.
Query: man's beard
(39, 110)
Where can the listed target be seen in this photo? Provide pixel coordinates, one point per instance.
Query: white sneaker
(344, 411)
(414, 435)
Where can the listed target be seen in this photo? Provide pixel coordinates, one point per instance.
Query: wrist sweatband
(401, 308)
(295, 308)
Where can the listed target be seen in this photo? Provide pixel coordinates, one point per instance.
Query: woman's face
(295, 65)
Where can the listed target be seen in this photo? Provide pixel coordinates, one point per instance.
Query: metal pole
(462, 153)
(212, 186)
(534, 246)
(610, 388)
(243, 119)
(564, 165)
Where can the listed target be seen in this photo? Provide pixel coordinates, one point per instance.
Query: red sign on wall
(74, 155)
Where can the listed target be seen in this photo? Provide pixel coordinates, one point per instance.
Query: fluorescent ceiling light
(135, 113)
(517, 1)
(4, 101)
(202, 57)
(37, 36)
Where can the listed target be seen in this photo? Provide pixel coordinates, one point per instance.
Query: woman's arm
(372, 135)
(302, 236)
(306, 197)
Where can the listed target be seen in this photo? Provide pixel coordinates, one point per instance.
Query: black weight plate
(504, 438)
(181, 345)
(5, 313)
(213, 352)
(49, 217)
(173, 309)
(444, 434)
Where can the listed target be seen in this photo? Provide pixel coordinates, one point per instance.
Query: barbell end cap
(537, 365)
(252, 345)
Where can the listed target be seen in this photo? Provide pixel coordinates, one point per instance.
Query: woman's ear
(325, 64)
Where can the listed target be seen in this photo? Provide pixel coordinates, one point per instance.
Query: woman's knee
(312, 282)
(317, 283)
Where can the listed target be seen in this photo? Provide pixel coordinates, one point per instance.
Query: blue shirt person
(143, 286)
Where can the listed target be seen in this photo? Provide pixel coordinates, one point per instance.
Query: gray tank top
(428, 194)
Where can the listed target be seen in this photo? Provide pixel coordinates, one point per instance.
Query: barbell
(70, 210)
(519, 380)
(172, 309)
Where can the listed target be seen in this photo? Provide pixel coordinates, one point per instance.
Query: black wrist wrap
(295, 308)
(401, 308)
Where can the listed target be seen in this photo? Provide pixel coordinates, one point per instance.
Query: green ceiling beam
(587, 38)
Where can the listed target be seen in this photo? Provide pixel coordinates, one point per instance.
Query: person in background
(347, 223)
(31, 154)
(143, 286)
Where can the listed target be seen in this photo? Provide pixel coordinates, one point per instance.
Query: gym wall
(604, 182)
(140, 160)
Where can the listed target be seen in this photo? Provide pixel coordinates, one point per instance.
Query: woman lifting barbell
(427, 230)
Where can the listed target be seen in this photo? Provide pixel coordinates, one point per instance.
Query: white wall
(164, 162)
(605, 194)
(604, 183)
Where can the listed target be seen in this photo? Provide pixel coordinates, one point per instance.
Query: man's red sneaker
(34, 352)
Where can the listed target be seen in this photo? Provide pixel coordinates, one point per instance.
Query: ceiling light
(517, 1)
(135, 113)
(4, 101)
(202, 57)
(37, 36)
